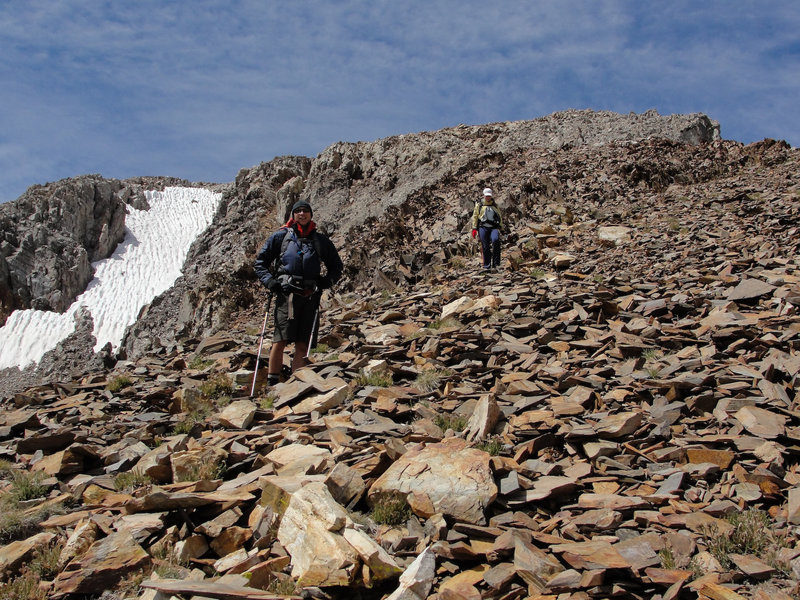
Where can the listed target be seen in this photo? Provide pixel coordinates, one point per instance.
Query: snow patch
(144, 265)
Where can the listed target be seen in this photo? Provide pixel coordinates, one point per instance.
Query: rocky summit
(614, 413)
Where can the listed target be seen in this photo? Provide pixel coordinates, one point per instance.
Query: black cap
(302, 204)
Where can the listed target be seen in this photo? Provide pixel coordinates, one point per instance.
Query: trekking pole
(313, 331)
(260, 345)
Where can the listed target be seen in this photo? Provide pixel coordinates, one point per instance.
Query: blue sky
(201, 89)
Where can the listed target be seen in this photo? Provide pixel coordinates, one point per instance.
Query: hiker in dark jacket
(487, 223)
(290, 264)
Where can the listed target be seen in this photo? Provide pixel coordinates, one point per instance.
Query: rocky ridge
(614, 414)
(358, 188)
(353, 186)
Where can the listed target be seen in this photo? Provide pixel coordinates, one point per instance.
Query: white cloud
(215, 86)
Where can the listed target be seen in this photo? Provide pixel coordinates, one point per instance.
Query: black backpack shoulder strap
(315, 239)
(288, 236)
(276, 263)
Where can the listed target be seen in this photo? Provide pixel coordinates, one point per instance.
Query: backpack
(300, 257)
(490, 218)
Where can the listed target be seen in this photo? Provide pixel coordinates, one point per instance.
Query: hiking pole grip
(260, 345)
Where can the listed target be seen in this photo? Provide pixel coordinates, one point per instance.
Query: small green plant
(167, 566)
(198, 363)
(752, 533)
(129, 585)
(673, 224)
(437, 324)
(207, 470)
(186, 424)
(27, 486)
(6, 468)
(267, 402)
(377, 378)
(454, 422)
(531, 245)
(493, 447)
(457, 262)
(131, 480)
(118, 383)
(320, 349)
(537, 273)
(696, 569)
(45, 561)
(667, 558)
(23, 587)
(391, 509)
(282, 587)
(653, 372)
(217, 387)
(169, 570)
(430, 379)
(15, 524)
(651, 354)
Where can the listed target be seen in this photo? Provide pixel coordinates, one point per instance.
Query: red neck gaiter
(302, 232)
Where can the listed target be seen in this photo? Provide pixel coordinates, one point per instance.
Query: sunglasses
(302, 210)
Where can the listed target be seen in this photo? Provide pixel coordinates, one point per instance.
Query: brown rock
(104, 564)
(15, 554)
(455, 478)
(533, 565)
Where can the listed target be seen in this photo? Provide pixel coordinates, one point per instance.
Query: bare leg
(299, 359)
(276, 357)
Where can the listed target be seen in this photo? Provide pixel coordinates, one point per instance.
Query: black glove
(325, 282)
(273, 285)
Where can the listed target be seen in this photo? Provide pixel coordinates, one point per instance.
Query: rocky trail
(613, 414)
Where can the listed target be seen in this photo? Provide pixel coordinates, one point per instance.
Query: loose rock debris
(614, 414)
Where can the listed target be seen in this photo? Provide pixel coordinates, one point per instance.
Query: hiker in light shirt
(487, 223)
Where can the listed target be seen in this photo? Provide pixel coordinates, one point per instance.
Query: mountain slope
(622, 394)
(613, 394)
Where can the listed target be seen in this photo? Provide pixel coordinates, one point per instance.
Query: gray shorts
(302, 323)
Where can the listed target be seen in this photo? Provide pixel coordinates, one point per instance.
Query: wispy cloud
(199, 90)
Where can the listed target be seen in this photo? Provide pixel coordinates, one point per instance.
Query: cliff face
(52, 234)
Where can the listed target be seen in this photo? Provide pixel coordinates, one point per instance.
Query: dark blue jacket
(270, 256)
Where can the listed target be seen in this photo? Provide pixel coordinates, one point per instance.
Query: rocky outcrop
(378, 193)
(52, 234)
(613, 414)
(352, 183)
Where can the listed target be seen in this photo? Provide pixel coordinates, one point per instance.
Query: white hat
(487, 192)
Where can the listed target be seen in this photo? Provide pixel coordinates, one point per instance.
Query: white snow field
(145, 264)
